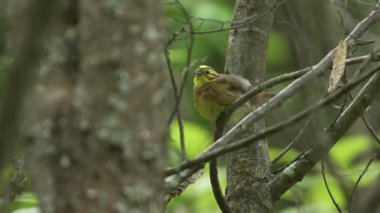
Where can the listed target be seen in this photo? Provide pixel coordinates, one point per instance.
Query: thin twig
(341, 109)
(291, 144)
(277, 80)
(171, 73)
(370, 129)
(215, 184)
(178, 93)
(241, 23)
(358, 180)
(217, 149)
(188, 61)
(328, 188)
(299, 168)
(368, 125)
(189, 48)
(179, 119)
(297, 85)
(336, 172)
(371, 57)
(188, 54)
(271, 82)
(296, 138)
(315, 70)
(364, 60)
(232, 25)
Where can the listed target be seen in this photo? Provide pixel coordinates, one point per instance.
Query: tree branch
(299, 168)
(328, 188)
(358, 181)
(189, 51)
(214, 179)
(214, 151)
(259, 88)
(296, 85)
(307, 74)
(178, 94)
(277, 80)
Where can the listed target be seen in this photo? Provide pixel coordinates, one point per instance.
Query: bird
(214, 92)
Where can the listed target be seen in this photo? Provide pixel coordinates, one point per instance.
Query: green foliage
(349, 148)
(349, 152)
(26, 201)
(197, 139)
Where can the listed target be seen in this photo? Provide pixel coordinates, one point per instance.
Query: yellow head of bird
(204, 75)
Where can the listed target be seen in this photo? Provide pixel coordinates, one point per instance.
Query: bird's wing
(242, 84)
(233, 83)
(218, 95)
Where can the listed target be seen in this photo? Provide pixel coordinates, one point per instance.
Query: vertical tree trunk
(93, 134)
(249, 169)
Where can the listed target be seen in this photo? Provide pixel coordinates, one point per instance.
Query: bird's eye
(207, 72)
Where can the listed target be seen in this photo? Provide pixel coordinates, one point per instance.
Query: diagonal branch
(277, 80)
(296, 85)
(255, 90)
(213, 151)
(299, 168)
(358, 181)
(290, 90)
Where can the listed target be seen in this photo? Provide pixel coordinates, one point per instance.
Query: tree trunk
(93, 137)
(248, 169)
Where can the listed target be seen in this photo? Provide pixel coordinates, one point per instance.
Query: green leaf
(197, 138)
(348, 148)
(24, 201)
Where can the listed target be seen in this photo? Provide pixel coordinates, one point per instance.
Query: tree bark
(93, 137)
(248, 169)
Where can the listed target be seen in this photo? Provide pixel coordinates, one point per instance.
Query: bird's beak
(197, 72)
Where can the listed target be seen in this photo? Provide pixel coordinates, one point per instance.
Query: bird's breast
(207, 107)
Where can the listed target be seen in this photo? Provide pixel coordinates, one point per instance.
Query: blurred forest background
(303, 32)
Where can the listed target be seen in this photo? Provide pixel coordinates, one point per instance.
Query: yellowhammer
(213, 92)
